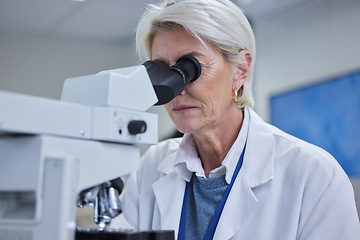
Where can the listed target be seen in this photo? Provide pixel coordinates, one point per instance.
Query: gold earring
(235, 97)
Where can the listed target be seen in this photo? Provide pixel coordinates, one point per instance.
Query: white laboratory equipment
(55, 155)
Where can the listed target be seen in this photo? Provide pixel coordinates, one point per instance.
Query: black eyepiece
(170, 82)
(189, 67)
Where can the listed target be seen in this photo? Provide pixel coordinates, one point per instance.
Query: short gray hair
(218, 22)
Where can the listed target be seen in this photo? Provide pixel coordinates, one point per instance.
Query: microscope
(57, 155)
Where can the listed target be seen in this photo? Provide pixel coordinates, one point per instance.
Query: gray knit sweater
(203, 199)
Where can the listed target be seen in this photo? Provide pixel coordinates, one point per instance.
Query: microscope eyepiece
(189, 67)
(170, 82)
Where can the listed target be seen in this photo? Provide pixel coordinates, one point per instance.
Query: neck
(215, 141)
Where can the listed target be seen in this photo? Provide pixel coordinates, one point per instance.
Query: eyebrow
(195, 54)
(166, 64)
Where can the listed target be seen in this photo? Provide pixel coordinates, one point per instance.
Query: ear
(242, 69)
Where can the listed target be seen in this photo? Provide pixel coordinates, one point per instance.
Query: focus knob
(137, 127)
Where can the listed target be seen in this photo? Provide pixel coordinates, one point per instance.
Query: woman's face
(207, 102)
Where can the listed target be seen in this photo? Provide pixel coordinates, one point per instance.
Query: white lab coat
(286, 189)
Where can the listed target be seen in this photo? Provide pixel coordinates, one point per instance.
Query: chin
(188, 124)
(187, 128)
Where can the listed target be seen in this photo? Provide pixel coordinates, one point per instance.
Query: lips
(183, 108)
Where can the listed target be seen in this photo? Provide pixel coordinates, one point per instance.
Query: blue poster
(326, 114)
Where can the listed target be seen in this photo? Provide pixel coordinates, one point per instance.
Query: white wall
(39, 66)
(310, 44)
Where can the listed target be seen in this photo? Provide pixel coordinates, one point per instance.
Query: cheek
(216, 87)
(167, 108)
(213, 100)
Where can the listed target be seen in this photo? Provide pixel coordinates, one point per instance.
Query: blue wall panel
(326, 114)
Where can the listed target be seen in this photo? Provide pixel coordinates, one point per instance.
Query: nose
(182, 92)
(185, 90)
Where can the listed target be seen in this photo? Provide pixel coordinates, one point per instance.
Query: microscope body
(52, 150)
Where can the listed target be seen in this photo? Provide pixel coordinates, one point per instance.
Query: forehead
(171, 45)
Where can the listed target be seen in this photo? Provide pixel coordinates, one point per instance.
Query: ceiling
(103, 21)
(106, 21)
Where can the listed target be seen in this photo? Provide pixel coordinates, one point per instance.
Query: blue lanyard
(214, 221)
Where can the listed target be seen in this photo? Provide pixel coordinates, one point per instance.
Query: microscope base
(95, 234)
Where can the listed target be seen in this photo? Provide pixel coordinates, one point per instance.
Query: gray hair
(217, 22)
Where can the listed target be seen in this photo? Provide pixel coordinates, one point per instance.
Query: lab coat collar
(167, 166)
(259, 155)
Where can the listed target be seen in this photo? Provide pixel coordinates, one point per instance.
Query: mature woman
(231, 176)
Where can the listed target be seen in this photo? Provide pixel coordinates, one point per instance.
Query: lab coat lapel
(239, 205)
(257, 169)
(260, 152)
(169, 194)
